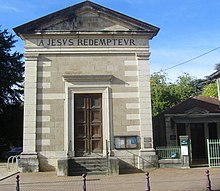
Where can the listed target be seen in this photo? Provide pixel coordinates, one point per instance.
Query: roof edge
(30, 27)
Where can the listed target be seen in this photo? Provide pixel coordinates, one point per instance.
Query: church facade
(87, 88)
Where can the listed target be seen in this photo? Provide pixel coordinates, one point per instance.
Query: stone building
(198, 118)
(87, 89)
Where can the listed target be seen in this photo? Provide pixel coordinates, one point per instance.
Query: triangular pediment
(196, 110)
(87, 21)
(86, 17)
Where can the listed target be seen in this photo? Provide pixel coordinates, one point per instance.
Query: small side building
(198, 117)
(87, 88)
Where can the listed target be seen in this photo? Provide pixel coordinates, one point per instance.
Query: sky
(188, 29)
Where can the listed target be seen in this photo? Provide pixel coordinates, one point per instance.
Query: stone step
(89, 159)
(79, 173)
(88, 169)
(88, 165)
(97, 163)
(79, 166)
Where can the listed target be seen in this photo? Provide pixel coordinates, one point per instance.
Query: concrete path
(160, 180)
(5, 173)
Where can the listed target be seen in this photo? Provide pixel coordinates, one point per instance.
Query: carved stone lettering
(86, 42)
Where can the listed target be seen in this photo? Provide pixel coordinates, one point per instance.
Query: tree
(210, 83)
(160, 95)
(11, 121)
(217, 67)
(210, 90)
(165, 94)
(11, 71)
(184, 87)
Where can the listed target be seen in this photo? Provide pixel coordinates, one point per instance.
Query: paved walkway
(5, 173)
(160, 180)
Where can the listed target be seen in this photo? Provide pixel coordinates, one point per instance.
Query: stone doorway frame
(100, 84)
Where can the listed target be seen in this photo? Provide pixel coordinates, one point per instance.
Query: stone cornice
(31, 56)
(87, 78)
(143, 56)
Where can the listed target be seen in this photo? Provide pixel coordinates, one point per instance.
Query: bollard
(17, 183)
(147, 181)
(84, 182)
(208, 181)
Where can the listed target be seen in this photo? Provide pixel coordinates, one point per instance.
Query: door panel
(96, 131)
(81, 117)
(87, 124)
(95, 116)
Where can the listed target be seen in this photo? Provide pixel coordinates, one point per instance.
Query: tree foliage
(165, 94)
(210, 90)
(217, 67)
(11, 71)
(11, 121)
(159, 93)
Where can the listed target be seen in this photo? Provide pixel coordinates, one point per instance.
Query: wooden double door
(88, 138)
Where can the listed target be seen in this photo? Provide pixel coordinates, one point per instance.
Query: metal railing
(213, 146)
(144, 160)
(168, 152)
(14, 161)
